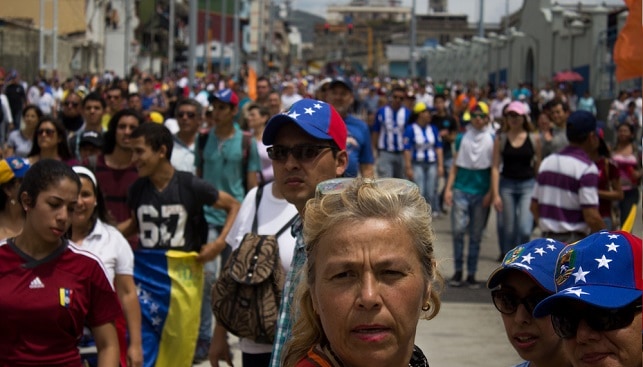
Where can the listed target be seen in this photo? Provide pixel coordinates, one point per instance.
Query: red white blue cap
(603, 270)
(226, 96)
(318, 119)
(537, 259)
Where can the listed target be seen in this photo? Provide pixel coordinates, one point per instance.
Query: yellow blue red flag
(170, 286)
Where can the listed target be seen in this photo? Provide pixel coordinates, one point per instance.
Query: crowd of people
(132, 177)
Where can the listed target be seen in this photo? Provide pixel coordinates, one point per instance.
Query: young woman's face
(86, 204)
(30, 119)
(50, 215)
(47, 135)
(624, 134)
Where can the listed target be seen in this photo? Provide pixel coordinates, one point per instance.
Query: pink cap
(517, 107)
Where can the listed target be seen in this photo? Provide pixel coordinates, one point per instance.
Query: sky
(493, 9)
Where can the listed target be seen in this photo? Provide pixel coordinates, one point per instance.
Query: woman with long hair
(257, 116)
(50, 141)
(517, 150)
(49, 288)
(628, 159)
(20, 141)
(92, 230)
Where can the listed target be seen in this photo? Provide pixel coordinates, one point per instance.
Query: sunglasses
(71, 103)
(301, 152)
(507, 302)
(478, 115)
(598, 319)
(338, 185)
(185, 113)
(47, 132)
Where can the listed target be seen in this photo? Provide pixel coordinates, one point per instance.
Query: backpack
(246, 297)
(202, 140)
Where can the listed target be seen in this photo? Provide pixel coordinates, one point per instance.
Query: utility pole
(128, 21)
(170, 38)
(206, 38)
(259, 39)
(481, 21)
(224, 10)
(41, 38)
(271, 30)
(413, 42)
(192, 46)
(54, 37)
(235, 33)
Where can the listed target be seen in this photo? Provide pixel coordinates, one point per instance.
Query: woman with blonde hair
(359, 302)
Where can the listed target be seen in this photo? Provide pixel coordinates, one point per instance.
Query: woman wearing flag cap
(596, 309)
(522, 280)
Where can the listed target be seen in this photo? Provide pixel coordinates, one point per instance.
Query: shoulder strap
(503, 141)
(286, 226)
(257, 201)
(202, 140)
(246, 138)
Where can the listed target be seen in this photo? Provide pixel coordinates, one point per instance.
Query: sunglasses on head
(186, 113)
(507, 302)
(598, 319)
(337, 185)
(46, 131)
(301, 152)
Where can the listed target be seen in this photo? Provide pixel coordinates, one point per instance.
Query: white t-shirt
(183, 156)
(273, 214)
(109, 245)
(46, 103)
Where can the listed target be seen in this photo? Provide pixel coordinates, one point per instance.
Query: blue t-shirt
(358, 145)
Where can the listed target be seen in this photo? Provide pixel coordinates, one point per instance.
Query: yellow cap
(6, 173)
(482, 107)
(156, 117)
(419, 108)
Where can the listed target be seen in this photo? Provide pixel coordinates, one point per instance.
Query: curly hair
(363, 199)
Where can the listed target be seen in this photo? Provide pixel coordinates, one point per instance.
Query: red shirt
(45, 304)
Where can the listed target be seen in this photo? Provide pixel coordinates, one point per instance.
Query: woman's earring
(13, 201)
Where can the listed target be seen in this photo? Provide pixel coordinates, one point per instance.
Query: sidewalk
(468, 330)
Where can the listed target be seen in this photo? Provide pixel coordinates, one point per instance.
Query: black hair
(109, 137)
(93, 96)
(41, 176)
(62, 146)
(190, 102)
(263, 111)
(4, 199)
(36, 109)
(100, 211)
(555, 102)
(156, 136)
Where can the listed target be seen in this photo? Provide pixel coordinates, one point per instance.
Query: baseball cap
(341, 81)
(316, 118)
(91, 137)
(517, 107)
(419, 108)
(156, 117)
(580, 123)
(481, 106)
(603, 270)
(13, 167)
(226, 96)
(536, 258)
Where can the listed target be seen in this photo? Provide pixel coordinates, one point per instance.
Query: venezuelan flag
(170, 285)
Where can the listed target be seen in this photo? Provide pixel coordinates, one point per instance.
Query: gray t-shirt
(21, 146)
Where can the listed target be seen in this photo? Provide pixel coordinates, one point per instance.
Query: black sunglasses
(301, 152)
(507, 302)
(186, 113)
(598, 319)
(71, 103)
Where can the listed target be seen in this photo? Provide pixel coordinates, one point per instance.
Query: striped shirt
(566, 183)
(422, 142)
(390, 125)
(285, 318)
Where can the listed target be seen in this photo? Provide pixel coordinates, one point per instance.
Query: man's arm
(231, 206)
(128, 227)
(593, 219)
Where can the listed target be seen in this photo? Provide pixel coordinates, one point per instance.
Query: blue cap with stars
(536, 259)
(603, 270)
(318, 119)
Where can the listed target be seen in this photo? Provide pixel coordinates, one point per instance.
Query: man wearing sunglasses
(523, 280)
(308, 146)
(597, 305)
(188, 114)
(71, 113)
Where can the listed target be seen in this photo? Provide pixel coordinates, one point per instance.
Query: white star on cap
(551, 247)
(580, 275)
(317, 106)
(613, 236)
(550, 240)
(540, 251)
(309, 111)
(527, 258)
(603, 262)
(520, 265)
(577, 291)
(612, 247)
(294, 115)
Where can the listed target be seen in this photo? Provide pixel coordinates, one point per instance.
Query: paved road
(468, 330)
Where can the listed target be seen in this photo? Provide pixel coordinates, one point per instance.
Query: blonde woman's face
(369, 298)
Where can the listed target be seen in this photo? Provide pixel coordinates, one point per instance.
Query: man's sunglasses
(598, 319)
(507, 302)
(186, 113)
(301, 152)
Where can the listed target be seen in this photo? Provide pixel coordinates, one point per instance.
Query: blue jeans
(447, 167)
(211, 271)
(390, 164)
(467, 216)
(517, 220)
(425, 175)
